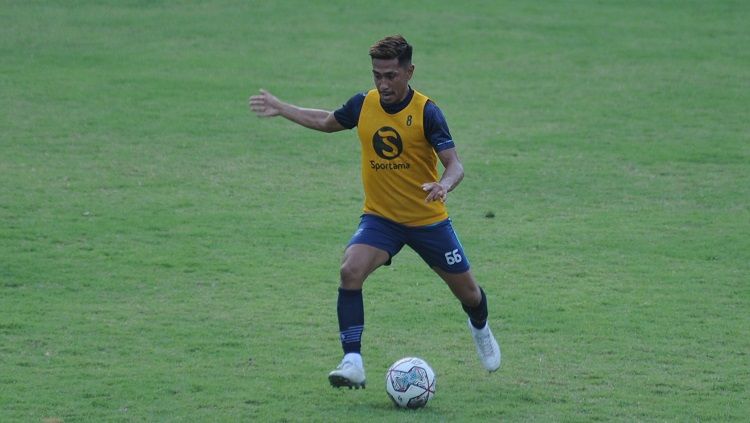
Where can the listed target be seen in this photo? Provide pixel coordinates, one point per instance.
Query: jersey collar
(392, 109)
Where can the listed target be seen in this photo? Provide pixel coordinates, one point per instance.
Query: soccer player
(403, 134)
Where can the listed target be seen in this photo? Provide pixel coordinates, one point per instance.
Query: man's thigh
(438, 245)
(379, 233)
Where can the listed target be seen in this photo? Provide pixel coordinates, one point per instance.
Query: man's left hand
(435, 191)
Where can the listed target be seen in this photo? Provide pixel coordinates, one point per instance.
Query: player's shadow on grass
(386, 406)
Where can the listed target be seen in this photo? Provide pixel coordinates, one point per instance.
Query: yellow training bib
(396, 160)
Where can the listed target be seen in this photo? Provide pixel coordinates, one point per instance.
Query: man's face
(391, 79)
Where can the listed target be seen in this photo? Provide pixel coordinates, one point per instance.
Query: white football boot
(350, 373)
(487, 347)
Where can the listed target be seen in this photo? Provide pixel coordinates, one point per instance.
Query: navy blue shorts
(437, 244)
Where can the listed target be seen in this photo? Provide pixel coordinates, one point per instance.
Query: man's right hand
(265, 104)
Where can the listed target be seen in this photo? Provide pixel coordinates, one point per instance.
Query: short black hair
(392, 47)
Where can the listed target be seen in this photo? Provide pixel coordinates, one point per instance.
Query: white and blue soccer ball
(410, 382)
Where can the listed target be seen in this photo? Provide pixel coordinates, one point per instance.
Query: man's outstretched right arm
(266, 104)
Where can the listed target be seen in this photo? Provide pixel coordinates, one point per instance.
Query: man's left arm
(452, 176)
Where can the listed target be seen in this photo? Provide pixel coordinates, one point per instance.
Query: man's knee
(472, 296)
(359, 261)
(352, 275)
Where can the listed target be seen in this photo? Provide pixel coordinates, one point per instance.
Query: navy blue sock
(478, 314)
(351, 313)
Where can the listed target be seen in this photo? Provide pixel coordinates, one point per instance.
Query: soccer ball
(410, 382)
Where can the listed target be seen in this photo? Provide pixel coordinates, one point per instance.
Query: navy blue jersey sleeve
(436, 128)
(348, 114)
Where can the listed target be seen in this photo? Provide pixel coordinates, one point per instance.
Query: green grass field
(167, 256)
